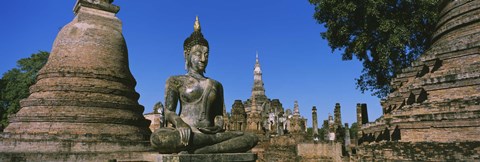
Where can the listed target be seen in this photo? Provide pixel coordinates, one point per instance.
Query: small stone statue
(158, 108)
(199, 127)
(280, 126)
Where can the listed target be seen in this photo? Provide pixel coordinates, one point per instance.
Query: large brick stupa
(83, 106)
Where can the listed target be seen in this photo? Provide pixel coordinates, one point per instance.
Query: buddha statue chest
(196, 91)
(196, 97)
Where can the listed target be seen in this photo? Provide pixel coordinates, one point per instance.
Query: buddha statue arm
(171, 100)
(219, 105)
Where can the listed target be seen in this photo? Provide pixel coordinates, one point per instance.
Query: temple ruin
(433, 112)
(264, 116)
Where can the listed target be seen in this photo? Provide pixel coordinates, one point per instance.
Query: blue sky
(297, 63)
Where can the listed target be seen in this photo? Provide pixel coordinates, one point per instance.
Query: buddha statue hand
(184, 135)
(185, 132)
(211, 130)
(215, 129)
(219, 121)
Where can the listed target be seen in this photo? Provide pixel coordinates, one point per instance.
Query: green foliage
(309, 130)
(353, 130)
(386, 35)
(15, 83)
(321, 133)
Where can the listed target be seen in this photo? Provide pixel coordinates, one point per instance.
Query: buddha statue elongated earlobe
(186, 61)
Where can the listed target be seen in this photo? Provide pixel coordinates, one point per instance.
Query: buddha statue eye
(197, 53)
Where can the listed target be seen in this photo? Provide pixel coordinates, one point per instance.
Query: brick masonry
(83, 106)
(434, 111)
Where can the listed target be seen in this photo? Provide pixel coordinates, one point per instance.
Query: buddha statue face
(197, 58)
(196, 50)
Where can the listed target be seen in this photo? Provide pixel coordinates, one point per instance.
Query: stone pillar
(347, 135)
(337, 115)
(315, 122)
(359, 115)
(325, 130)
(362, 114)
(84, 99)
(281, 128)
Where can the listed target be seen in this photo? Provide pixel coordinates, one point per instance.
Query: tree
(15, 83)
(353, 130)
(385, 35)
(321, 132)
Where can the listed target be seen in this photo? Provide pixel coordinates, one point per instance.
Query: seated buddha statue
(198, 127)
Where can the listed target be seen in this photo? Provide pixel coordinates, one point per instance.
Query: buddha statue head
(195, 50)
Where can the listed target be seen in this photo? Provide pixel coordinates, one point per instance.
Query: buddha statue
(198, 128)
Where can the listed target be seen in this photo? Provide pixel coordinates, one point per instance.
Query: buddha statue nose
(203, 58)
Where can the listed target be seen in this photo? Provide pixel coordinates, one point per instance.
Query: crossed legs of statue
(167, 140)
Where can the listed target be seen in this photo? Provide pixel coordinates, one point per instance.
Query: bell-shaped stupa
(84, 100)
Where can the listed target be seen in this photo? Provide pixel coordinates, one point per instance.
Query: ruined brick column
(315, 122)
(347, 136)
(84, 99)
(337, 115)
(362, 115)
(325, 127)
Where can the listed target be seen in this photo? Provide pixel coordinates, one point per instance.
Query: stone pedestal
(233, 157)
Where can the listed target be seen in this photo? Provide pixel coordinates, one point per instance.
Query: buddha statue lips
(198, 128)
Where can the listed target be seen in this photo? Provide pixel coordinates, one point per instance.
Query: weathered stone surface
(282, 148)
(84, 102)
(233, 157)
(421, 151)
(90, 157)
(436, 102)
(238, 118)
(319, 152)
